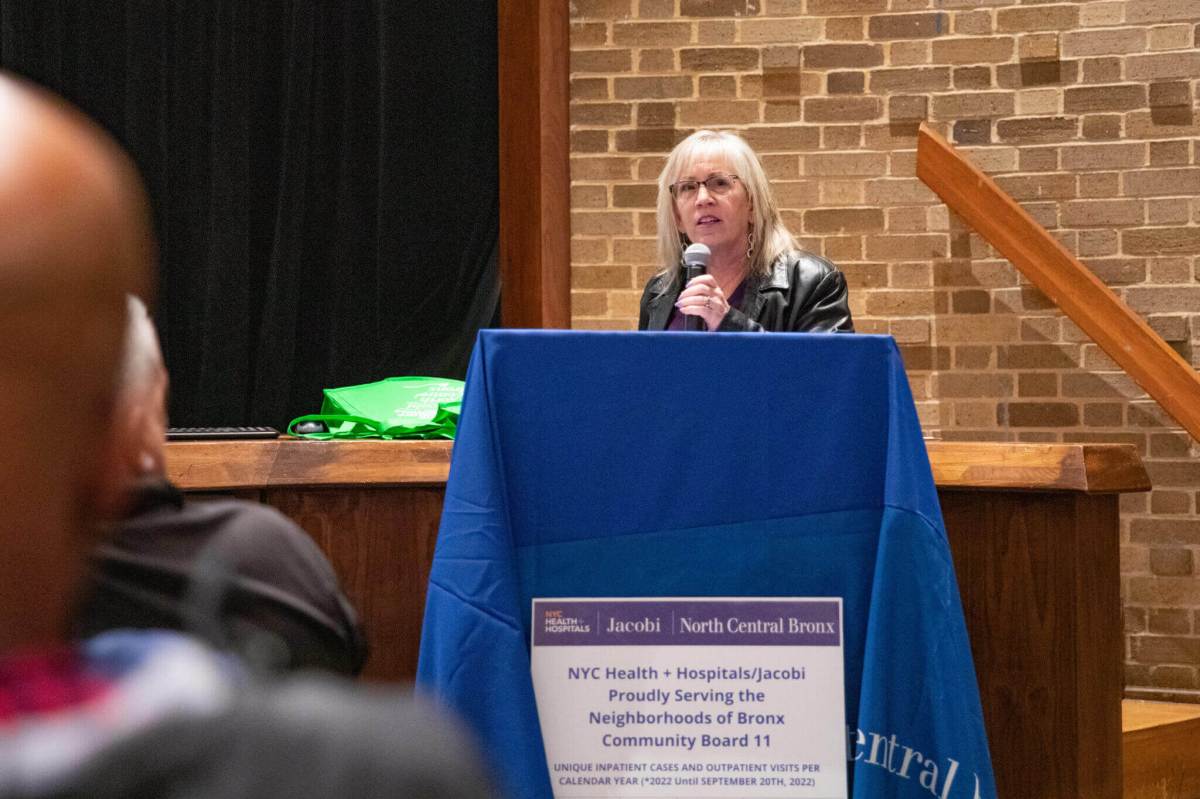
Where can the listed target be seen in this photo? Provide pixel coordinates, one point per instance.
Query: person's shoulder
(231, 515)
(258, 515)
(800, 267)
(299, 738)
(357, 740)
(658, 283)
(657, 287)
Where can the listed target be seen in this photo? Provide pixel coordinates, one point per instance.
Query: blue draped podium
(668, 464)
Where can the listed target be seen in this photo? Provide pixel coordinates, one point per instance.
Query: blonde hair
(771, 236)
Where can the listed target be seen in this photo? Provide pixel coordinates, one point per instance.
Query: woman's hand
(703, 297)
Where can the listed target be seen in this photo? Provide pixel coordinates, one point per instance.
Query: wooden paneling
(1098, 679)
(1039, 579)
(1082, 296)
(1033, 532)
(535, 184)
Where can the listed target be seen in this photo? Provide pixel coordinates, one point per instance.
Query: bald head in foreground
(75, 238)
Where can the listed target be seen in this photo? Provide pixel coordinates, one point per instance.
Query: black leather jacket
(803, 293)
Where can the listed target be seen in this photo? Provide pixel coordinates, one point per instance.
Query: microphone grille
(697, 254)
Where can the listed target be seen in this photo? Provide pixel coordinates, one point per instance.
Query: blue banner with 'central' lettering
(677, 465)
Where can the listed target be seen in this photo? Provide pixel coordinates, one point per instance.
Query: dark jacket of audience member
(238, 574)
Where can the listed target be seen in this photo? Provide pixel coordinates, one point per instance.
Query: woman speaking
(713, 191)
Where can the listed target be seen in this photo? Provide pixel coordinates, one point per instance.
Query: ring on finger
(708, 302)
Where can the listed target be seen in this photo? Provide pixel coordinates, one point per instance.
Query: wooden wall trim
(1082, 296)
(229, 465)
(232, 465)
(1089, 468)
(535, 183)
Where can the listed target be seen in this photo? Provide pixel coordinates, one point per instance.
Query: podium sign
(712, 697)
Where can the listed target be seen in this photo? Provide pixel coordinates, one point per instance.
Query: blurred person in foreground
(238, 574)
(139, 713)
(713, 191)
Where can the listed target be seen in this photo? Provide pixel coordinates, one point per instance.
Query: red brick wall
(1085, 112)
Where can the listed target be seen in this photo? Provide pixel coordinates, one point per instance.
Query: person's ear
(107, 489)
(117, 467)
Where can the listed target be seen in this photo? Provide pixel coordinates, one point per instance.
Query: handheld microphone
(695, 262)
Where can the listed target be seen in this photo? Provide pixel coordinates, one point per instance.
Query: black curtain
(323, 175)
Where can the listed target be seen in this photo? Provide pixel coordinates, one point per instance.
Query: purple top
(676, 320)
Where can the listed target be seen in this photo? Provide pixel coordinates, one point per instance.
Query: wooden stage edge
(232, 466)
(1159, 745)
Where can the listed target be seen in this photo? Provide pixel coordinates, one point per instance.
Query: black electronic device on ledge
(218, 433)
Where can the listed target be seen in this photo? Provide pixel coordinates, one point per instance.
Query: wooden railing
(239, 465)
(1083, 297)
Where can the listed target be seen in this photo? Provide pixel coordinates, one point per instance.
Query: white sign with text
(695, 698)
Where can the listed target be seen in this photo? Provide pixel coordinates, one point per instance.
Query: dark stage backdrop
(324, 181)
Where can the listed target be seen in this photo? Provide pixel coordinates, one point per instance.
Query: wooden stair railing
(1120, 332)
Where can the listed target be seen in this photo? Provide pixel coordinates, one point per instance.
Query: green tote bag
(397, 407)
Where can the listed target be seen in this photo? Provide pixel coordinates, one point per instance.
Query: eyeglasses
(716, 184)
